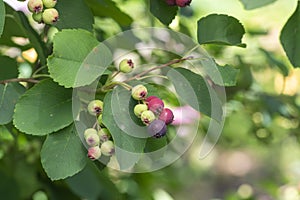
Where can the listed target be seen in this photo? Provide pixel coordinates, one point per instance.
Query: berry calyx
(38, 17)
(49, 3)
(104, 135)
(108, 148)
(139, 92)
(147, 117)
(183, 3)
(156, 105)
(171, 2)
(157, 128)
(167, 116)
(126, 66)
(139, 109)
(35, 6)
(95, 107)
(94, 152)
(50, 16)
(92, 139)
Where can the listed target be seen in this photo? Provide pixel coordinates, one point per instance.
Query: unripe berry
(95, 107)
(108, 148)
(126, 66)
(167, 116)
(38, 17)
(50, 16)
(100, 121)
(139, 109)
(94, 152)
(147, 117)
(35, 6)
(183, 3)
(49, 3)
(171, 2)
(92, 140)
(89, 131)
(156, 105)
(157, 128)
(104, 135)
(139, 92)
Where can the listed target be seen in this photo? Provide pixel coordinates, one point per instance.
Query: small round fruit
(156, 105)
(139, 92)
(183, 3)
(50, 16)
(35, 6)
(108, 148)
(92, 140)
(89, 131)
(95, 107)
(167, 116)
(139, 108)
(49, 3)
(38, 17)
(157, 128)
(147, 117)
(100, 121)
(126, 66)
(171, 2)
(104, 135)
(94, 152)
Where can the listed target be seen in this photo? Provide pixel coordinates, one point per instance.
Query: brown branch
(29, 80)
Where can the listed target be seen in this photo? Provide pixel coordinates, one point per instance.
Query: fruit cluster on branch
(43, 11)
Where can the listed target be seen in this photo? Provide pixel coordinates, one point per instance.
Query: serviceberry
(35, 6)
(156, 105)
(147, 117)
(92, 140)
(38, 17)
(139, 92)
(95, 107)
(104, 134)
(50, 16)
(183, 3)
(49, 3)
(94, 152)
(108, 148)
(100, 121)
(150, 98)
(157, 128)
(139, 109)
(167, 116)
(126, 66)
(89, 131)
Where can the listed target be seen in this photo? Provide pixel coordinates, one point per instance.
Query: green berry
(100, 122)
(35, 6)
(50, 16)
(139, 92)
(49, 3)
(92, 140)
(95, 107)
(126, 66)
(38, 17)
(94, 152)
(108, 148)
(89, 131)
(104, 135)
(139, 108)
(147, 117)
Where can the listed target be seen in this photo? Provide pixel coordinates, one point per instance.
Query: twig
(29, 80)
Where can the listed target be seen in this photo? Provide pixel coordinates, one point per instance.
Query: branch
(29, 80)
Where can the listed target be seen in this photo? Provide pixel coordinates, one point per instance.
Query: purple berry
(156, 105)
(183, 3)
(157, 128)
(150, 98)
(167, 116)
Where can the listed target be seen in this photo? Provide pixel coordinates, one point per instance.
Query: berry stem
(116, 74)
(41, 75)
(29, 80)
(113, 84)
(152, 76)
(39, 69)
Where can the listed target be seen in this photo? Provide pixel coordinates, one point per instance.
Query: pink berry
(151, 98)
(171, 2)
(94, 152)
(156, 105)
(167, 116)
(183, 3)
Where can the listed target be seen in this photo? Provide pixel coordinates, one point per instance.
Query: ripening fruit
(95, 107)
(139, 108)
(108, 148)
(104, 134)
(49, 3)
(167, 116)
(156, 105)
(139, 92)
(89, 131)
(150, 98)
(171, 2)
(147, 117)
(94, 152)
(157, 128)
(50, 16)
(35, 6)
(183, 3)
(38, 17)
(92, 139)
(126, 66)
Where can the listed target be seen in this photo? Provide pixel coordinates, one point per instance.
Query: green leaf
(220, 29)
(129, 138)
(162, 11)
(228, 74)
(75, 64)
(9, 94)
(276, 62)
(290, 37)
(108, 8)
(74, 14)
(45, 108)
(9, 187)
(193, 90)
(63, 154)
(8, 68)
(2, 17)
(252, 4)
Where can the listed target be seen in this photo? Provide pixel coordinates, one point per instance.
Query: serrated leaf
(162, 11)
(252, 4)
(9, 94)
(115, 118)
(8, 68)
(74, 14)
(290, 37)
(45, 108)
(220, 29)
(78, 58)
(193, 90)
(63, 154)
(2, 17)
(228, 74)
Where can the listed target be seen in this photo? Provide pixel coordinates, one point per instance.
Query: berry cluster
(152, 112)
(180, 3)
(98, 140)
(43, 11)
